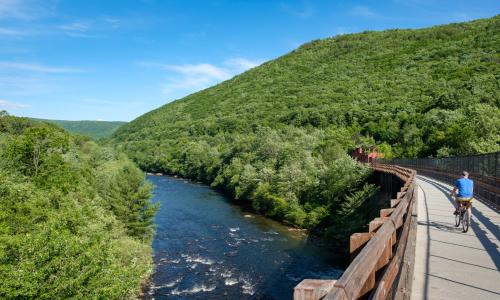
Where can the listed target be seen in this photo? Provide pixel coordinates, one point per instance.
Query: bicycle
(463, 216)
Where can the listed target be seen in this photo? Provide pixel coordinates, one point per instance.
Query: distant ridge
(278, 135)
(94, 129)
(421, 91)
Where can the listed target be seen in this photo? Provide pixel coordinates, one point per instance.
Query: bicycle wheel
(465, 221)
(457, 218)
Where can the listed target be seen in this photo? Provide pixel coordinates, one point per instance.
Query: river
(205, 247)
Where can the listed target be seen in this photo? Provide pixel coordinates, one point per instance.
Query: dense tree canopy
(277, 135)
(75, 218)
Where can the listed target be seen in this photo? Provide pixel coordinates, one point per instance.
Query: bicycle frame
(463, 210)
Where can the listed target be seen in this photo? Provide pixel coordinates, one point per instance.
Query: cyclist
(465, 188)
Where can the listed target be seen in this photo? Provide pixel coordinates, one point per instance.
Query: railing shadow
(441, 226)
(492, 227)
(490, 247)
(428, 248)
(463, 262)
(455, 244)
(464, 283)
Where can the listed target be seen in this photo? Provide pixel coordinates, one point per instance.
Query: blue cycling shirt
(465, 187)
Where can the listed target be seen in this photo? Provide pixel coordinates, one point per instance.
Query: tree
(75, 218)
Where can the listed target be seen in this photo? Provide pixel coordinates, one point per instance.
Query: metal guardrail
(484, 169)
(380, 268)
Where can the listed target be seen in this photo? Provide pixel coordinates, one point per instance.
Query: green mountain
(75, 217)
(94, 129)
(277, 135)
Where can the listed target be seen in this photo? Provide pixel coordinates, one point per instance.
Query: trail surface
(450, 264)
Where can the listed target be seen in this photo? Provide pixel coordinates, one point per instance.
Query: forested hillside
(94, 129)
(278, 135)
(75, 218)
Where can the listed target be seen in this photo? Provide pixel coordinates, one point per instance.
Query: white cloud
(362, 11)
(186, 84)
(200, 70)
(192, 77)
(36, 67)
(25, 9)
(12, 50)
(28, 13)
(75, 29)
(75, 26)
(187, 78)
(12, 9)
(113, 22)
(24, 79)
(94, 28)
(12, 105)
(12, 32)
(242, 64)
(23, 85)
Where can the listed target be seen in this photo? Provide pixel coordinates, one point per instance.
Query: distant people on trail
(465, 188)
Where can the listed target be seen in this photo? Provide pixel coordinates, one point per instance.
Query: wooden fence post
(312, 289)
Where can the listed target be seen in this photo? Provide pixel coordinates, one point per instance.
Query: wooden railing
(383, 262)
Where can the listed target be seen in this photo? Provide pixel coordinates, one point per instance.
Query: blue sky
(115, 60)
